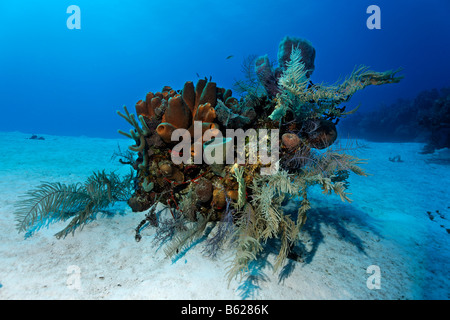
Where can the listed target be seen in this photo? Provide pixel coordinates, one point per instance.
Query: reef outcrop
(291, 116)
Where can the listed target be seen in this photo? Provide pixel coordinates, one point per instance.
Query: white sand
(387, 225)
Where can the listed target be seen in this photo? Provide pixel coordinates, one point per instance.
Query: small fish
(229, 57)
(198, 76)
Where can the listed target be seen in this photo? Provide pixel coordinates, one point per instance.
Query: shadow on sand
(342, 219)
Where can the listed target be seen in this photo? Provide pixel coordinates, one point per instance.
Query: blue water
(69, 82)
(55, 80)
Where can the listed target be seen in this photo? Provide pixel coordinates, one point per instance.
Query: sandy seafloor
(398, 221)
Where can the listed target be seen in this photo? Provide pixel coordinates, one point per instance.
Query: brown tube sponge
(209, 94)
(155, 102)
(177, 113)
(148, 100)
(205, 112)
(166, 89)
(199, 90)
(165, 131)
(188, 95)
(147, 107)
(141, 108)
